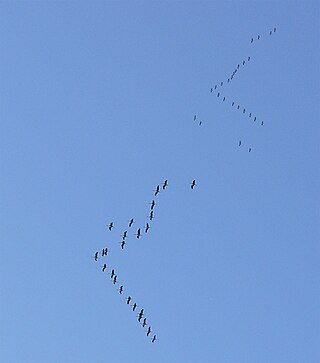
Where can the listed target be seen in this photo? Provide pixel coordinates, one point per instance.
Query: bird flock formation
(235, 105)
(142, 319)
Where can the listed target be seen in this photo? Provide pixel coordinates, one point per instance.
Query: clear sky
(97, 101)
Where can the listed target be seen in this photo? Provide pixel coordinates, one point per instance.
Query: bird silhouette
(154, 339)
(157, 190)
(128, 299)
(149, 331)
(258, 37)
(228, 80)
(153, 203)
(193, 184)
(112, 273)
(215, 87)
(254, 118)
(249, 149)
(221, 84)
(194, 117)
(114, 279)
(239, 142)
(249, 58)
(211, 89)
(121, 289)
(131, 222)
(144, 323)
(244, 110)
(104, 267)
(151, 216)
(165, 184)
(251, 40)
(124, 236)
(104, 251)
(262, 123)
(134, 306)
(243, 62)
(270, 32)
(147, 228)
(232, 103)
(122, 244)
(96, 256)
(141, 312)
(139, 318)
(224, 99)
(138, 234)
(218, 94)
(110, 226)
(238, 107)
(250, 114)
(274, 29)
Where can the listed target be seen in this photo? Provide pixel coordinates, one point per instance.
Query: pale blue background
(96, 108)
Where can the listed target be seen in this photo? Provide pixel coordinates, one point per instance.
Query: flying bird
(151, 216)
(147, 228)
(104, 251)
(244, 110)
(139, 318)
(221, 83)
(200, 123)
(154, 339)
(228, 80)
(211, 89)
(157, 190)
(122, 244)
(141, 312)
(165, 183)
(153, 203)
(131, 222)
(250, 114)
(96, 256)
(121, 289)
(218, 94)
(193, 184)
(258, 37)
(243, 62)
(125, 233)
(251, 40)
(274, 29)
(114, 279)
(255, 118)
(239, 142)
(149, 331)
(232, 103)
(104, 267)
(270, 32)
(110, 226)
(194, 117)
(224, 99)
(249, 58)
(112, 273)
(138, 234)
(262, 123)
(249, 149)
(128, 300)
(238, 107)
(134, 306)
(144, 323)
(215, 87)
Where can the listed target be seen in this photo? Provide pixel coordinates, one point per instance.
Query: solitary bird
(193, 184)
(249, 149)
(153, 203)
(121, 289)
(110, 226)
(131, 222)
(194, 117)
(147, 228)
(149, 331)
(114, 279)
(251, 40)
(96, 256)
(239, 142)
(157, 190)
(138, 234)
(165, 183)
(134, 306)
(144, 323)
(104, 267)
(112, 273)
(244, 110)
(151, 216)
(154, 339)
(128, 300)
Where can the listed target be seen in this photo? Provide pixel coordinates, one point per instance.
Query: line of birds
(105, 251)
(229, 79)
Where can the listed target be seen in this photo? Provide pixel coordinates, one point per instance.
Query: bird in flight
(258, 37)
(224, 99)
(112, 273)
(218, 94)
(211, 89)
(147, 228)
(221, 84)
(110, 226)
(249, 149)
(128, 300)
(215, 87)
(144, 323)
(193, 184)
(249, 58)
(251, 40)
(151, 216)
(131, 222)
(149, 331)
(239, 142)
(154, 339)
(104, 251)
(165, 183)
(104, 267)
(157, 190)
(96, 256)
(262, 123)
(141, 312)
(255, 117)
(121, 289)
(124, 236)
(114, 279)
(194, 117)
(134, 306)
(122, 243)
(153, 203)
(138, 234)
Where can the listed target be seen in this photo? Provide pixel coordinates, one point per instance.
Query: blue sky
(96, 108)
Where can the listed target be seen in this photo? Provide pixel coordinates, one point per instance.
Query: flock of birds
(142, 319)
(229, 79)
